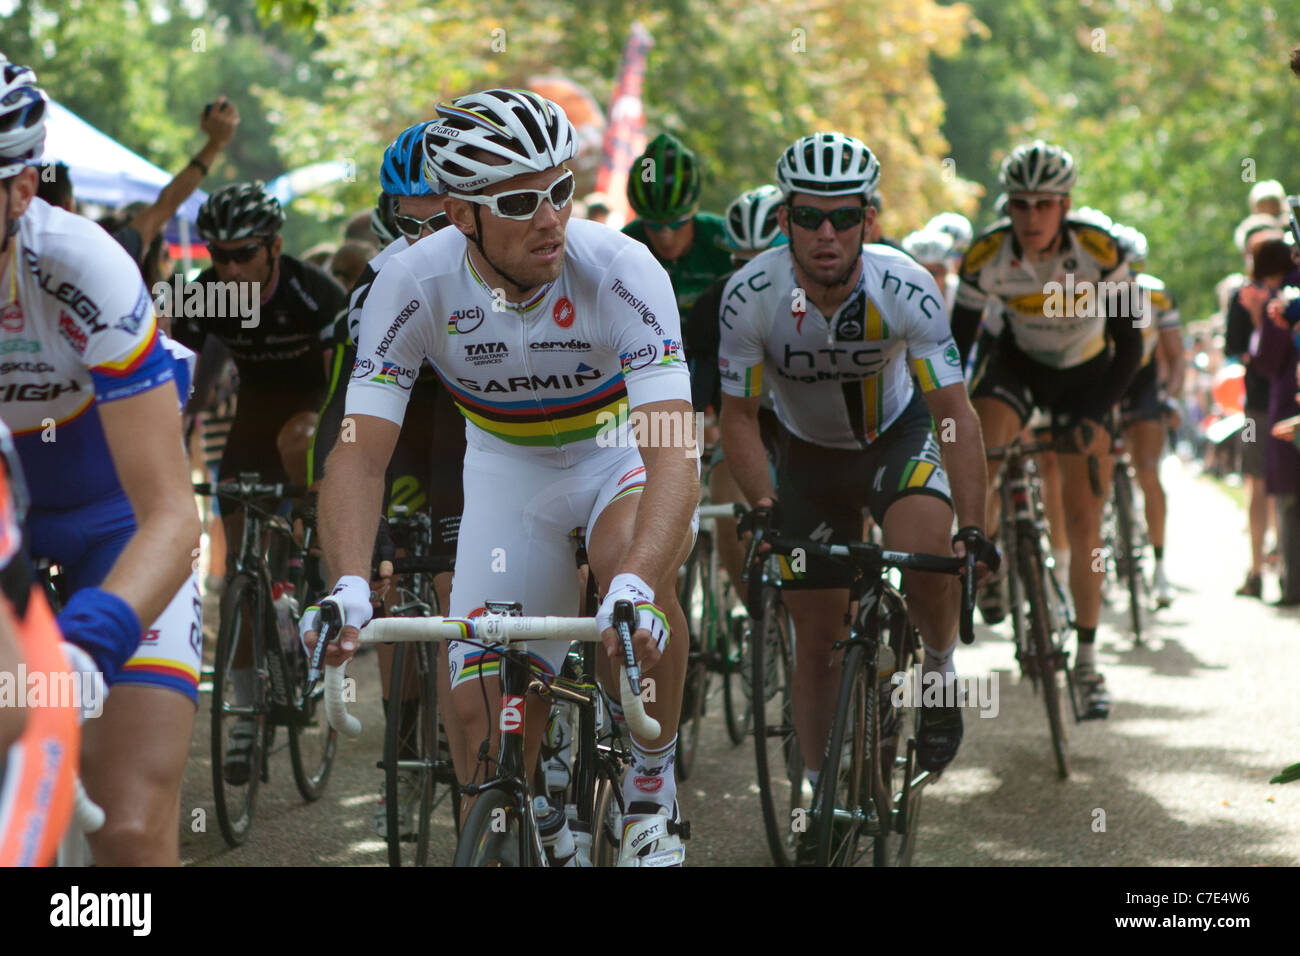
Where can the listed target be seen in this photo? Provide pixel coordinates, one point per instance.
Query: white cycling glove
(352, 595)
(94, 690)
(629, 587)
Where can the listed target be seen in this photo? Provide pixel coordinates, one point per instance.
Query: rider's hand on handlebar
(1090, 438)
(987, 557)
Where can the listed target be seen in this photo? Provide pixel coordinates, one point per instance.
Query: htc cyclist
(831, 324)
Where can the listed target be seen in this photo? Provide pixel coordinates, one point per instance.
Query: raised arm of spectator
(220, 125)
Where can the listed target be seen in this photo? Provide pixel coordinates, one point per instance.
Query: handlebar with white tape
(496, 630)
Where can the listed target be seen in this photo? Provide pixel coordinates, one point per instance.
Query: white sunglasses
(524, 203)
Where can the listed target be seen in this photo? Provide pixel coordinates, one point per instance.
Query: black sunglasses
(241, 255)
(411, 227)
(811, 218)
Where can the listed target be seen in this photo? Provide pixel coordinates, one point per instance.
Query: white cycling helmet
(1038, 167)
(519, 131)
(928, 246)
(22, 118)
(1133, 242)
(1268, 189)
(750, 221)
(955, 226)
(827, 164)
(1093, 217)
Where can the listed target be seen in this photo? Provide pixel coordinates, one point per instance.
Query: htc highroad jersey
(1165, 314)
(838, 382)
(551, 376)
(1055, 310)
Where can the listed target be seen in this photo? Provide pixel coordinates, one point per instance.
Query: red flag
(625, 131)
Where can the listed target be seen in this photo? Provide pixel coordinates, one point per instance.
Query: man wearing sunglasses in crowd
(274, 314)
(419, 477)
(1075, 361)
(543, 329)
(829, 324)
(663, 189)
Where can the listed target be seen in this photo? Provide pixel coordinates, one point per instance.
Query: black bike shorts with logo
(824, 491)
(1141, 402)
(1010, 376)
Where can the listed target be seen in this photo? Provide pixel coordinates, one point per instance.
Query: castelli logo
(563, 312)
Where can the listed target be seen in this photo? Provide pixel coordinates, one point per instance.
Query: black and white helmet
(519, 131)
(238, 211)
(751, 221)
(22, 118)
(1132, 241)
(930, 247)
(955, 226)
(1038, 167)
(827, 164)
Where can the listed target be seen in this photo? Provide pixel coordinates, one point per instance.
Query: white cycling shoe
(653, 835)
(1164, 593)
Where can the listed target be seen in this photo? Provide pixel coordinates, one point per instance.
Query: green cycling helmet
(668, 189)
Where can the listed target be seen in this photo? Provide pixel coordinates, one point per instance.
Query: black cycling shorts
(1142, 401)
(824, 491)
(426, 469)
(251, 444)
(1010, 376)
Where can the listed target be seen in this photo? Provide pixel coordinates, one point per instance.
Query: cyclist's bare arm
(963, 451)
(743, 447)
(144, 437)
(352, 495)
(1169, 353)
(672, 490)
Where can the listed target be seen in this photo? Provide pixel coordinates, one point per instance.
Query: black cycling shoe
(938, 738)
(991, 600)
(1092, 688)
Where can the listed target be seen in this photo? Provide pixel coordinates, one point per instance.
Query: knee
(296, 434)
(132, 836)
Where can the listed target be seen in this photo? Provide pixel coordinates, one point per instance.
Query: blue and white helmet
(22, 118)
(402, 171)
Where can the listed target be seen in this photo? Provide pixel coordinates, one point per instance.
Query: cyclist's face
(675, 239)
(257, 269)
(940, 273)
(1036, 219)
(420, 207)
(16, 194)
(827, 257)
(522, 255)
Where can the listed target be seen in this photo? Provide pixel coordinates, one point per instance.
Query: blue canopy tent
(106, 172)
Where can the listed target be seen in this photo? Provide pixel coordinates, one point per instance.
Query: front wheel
(312, 741)
(1044, 626)
(844, 808)
(495, 833)
(694, 594)
(240, 721)
(778, 760)
(411, 753)
(1129, 549)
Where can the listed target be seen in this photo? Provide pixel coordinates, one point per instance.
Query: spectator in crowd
(321, 253)
(358, 228)
(1274, 353)
(1270, 261)
(140, 232)
(1267, 197)
(597, 208)
(347, 264)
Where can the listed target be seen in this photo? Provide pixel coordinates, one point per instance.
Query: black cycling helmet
(239, 211)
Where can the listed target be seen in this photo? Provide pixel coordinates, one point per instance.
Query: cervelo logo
(398, 322)
(512, 715)
(563, 312)
(572, 345)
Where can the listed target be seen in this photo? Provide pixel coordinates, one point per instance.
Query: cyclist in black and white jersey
(837, 329)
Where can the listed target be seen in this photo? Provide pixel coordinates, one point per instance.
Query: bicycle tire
(494, 833)
(898, 736)
(607, 822)
(733, 651)
(404, 850)
(235, 809)
(1128, 546)
(1042, 630)
(695, 597)
(845, 782)
(778, 761)
(313, 743)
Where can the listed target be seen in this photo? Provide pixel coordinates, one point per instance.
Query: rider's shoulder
(1097, 242)
(770, 271)
(64, 244)
(985, 247)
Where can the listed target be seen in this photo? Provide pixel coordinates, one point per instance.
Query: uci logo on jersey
(631, 361)
(362, 367)
(463, 321)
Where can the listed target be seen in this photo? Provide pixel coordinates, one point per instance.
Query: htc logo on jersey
(927, 302)
(864, 358)
(532, 383)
